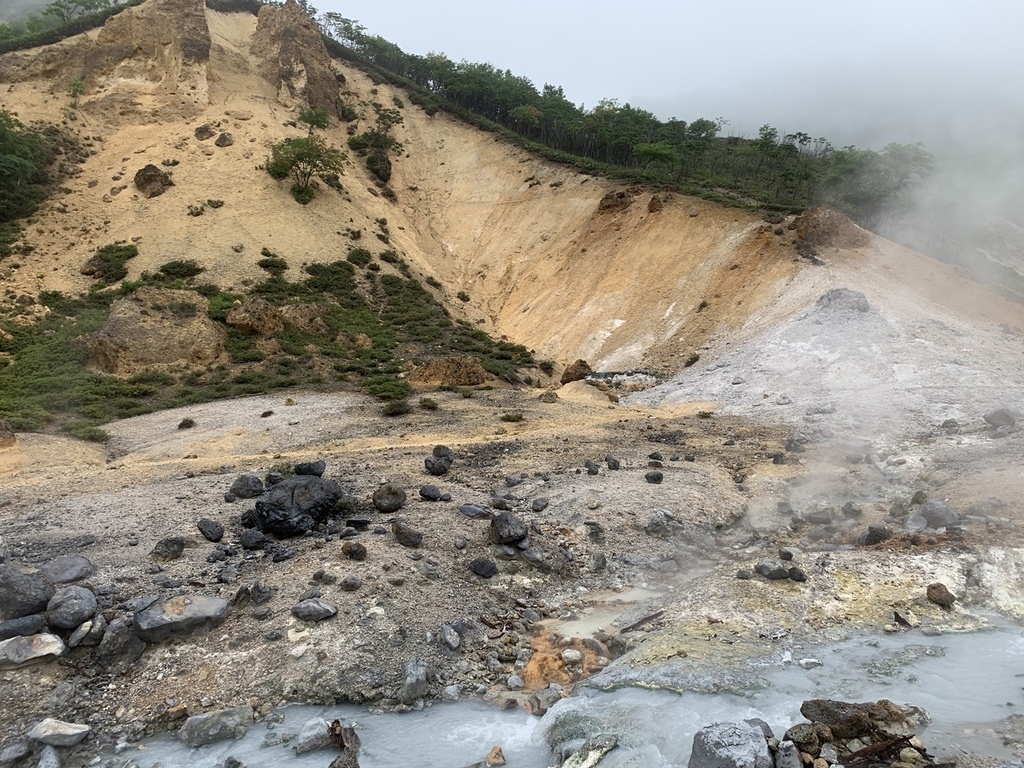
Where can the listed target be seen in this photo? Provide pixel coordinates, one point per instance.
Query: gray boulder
(414, 681)
(294, 506)
(179, 615)
(23, 591)
(68, 569)
(313, 609)
(315, 734)
(70, 607)
(120, 647)
(216, 726)
(26, 625)
(1001, 417)
(58, 733)
(938, 513)
(772, 569)
(89, 632)
(730, 745)
(48, 757)
(21, 651)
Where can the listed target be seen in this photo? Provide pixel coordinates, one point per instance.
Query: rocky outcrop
(156, 328)
(464, 371)
(294, 506)
(256, 316)
(292, 58)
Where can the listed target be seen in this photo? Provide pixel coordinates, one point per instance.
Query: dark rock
(506, 528)
(225, 140)
(69, 607)
(120, 647)
(204, 132)
(405, 535)
(745, 574)
(939, 514)
(315, 468)
(313, 609)
(661, 524)
(437, 465)
(612, 462)
(89, 632)
(388, 498)
(23, 591)
(772, 569)
(24, 650)
(169, 548)
(442, 450)
(919, 497)
(821, 514)
(513, 480)
(484, 567)
(22, 626)
(414, 681)
(938, 593)
(430, 492)
(656, 456)
(211, 529)
(216, 726)
(151, 181)
(848, 720)
(474, 511)
(497, 502)
(852, 510)
(246, 487)
(797, 574)
(654, 477)
(67, 569)
(353, 550)
(294, 506)
(230, 498)
(805, 737)
(1001, 417)
(575, 372)
(592, 467)
(273, 478)
(875, 534)
(15, 750)
(178, 616)
(251, 539)
(539, 504)
(351, 583)
(730, 745)
(785, 553)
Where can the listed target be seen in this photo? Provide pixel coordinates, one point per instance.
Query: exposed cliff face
(292, 58)
(150, 62)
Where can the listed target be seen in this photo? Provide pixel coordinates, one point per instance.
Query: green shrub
(514, 417)
(379, 164)
(302, 195)
(396, 407)
(428, 404)
(181, 269)
(388, 388)
(348, 113)
(110, 264)
(391, 257)
(273, 264)
(359, 256)
(462, 296)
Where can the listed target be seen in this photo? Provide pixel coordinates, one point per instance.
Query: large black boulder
(294, 506)
(23, 591)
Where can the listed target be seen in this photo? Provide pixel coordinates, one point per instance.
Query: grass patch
(110, 264)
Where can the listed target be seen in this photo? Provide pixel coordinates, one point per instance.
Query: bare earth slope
(623, 283)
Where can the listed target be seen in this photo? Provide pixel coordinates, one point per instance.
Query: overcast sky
(864, 72)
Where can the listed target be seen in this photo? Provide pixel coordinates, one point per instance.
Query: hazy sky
(863, 72)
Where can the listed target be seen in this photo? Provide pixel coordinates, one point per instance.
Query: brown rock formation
(293, 58)
(256, 316)
(450, 372)
(156, 328)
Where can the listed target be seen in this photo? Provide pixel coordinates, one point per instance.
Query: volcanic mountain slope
(567, 264)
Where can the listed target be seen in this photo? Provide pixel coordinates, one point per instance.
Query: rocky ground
(698, 508)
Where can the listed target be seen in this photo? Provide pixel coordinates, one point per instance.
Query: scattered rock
(495, 756)
(204, 132)
(484, 567)
(58, 733)
(23, 591)
(772, 569)
(938, 593)
(295, 505)
(474, 511)
(313, 609)
(576, 372)
(169, 548)
(315, 468)
(24, 625)
(67, 569)
(405, 535)
(844, 298)
(1001, 417)
(179, 615)
(353, 550)
(20, 651)
(151, 181)
(211, 529)
(388, 498)
(430, 492)
(654, 477)
(450, 637)
(414, 681)
(730, 745)
(225, 140)
(70, 607)
(314, 734)
(939, 514)
(506, 528)
(216, 726)
(120, 647)
(351, 583)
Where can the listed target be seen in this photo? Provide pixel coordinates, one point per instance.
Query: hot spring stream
(965, 681)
